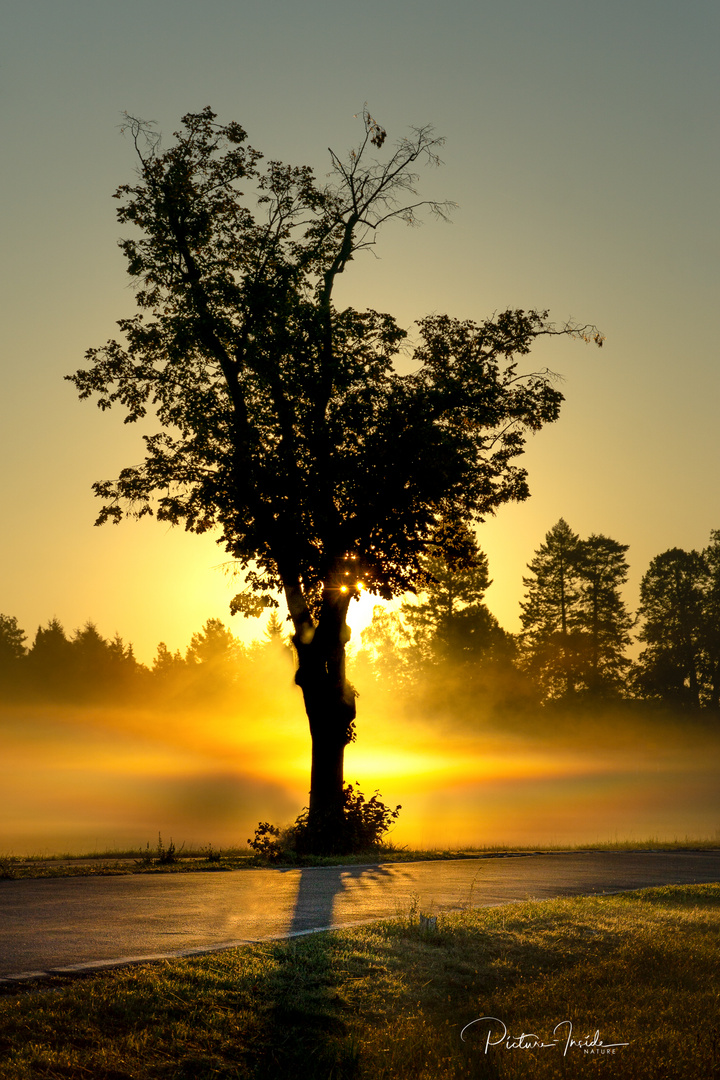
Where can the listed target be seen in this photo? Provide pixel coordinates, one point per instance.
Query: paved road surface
(65, 923)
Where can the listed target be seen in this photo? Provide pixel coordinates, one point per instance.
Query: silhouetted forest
(86, 667)
(443, 647)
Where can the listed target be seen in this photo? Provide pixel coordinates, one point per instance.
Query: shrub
(266, 841)
(365, 822)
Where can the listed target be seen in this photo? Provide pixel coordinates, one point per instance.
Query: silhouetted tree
(274, 629)
(167, 665)
(603, 618)
(574, 618)
(711, 619)
(450, 620)
(671, 609)
(276, 638)
(102, 668)
(12, 653)
(12, 640)
(50, 660)
(386, 642)
(281, 421)
(550, 614)
(213, 657)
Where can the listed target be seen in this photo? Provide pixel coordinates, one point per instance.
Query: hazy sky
(582, 149)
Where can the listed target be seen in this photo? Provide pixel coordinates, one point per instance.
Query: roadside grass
(389, 1001)
(169, 860)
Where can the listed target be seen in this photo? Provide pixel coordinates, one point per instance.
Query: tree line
(576, 626)
(85, 666)
(576, 631)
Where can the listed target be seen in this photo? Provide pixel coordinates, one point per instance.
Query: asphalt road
(78, 924)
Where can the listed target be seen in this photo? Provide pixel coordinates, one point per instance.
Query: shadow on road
(320, 886)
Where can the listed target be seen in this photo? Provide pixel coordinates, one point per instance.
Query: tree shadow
(318, 890)
(307, 1031)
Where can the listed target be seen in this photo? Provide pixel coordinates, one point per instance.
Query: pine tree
(12, 653)
(385, 647)
(603, 618)
(672, 597)
(101, 668)
(168, 665)
(275, 633)
(550, 615)
(50, 660)
(450, 619)
(575, 622)
(711, 618)
(213, 656)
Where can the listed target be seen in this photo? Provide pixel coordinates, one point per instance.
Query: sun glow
(360, 613)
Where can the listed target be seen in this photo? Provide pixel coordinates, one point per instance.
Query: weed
(163, 856)
(146, 859)
(166, 856)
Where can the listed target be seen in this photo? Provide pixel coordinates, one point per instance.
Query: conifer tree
(672, 596)
(50, 659)
(168, 665)
(550, 614)
(575, 621)
(274, 630)
(12, 640)
(12, 653)
(450, 620)
(214, 654)
(711, 619)
(603, 617)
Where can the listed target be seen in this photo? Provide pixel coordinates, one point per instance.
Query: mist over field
(467, 769)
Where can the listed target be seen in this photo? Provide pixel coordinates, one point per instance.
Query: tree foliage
(12, 640)
(453, 669)
(282, 421)
(711, 620)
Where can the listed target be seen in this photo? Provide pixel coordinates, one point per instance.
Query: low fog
(472, 762)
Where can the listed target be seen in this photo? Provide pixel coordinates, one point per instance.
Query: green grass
(149, 861)
(389, 1001)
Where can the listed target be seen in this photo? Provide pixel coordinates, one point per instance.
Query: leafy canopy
(280, 421)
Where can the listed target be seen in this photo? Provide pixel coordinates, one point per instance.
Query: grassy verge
(161, 860)
(389, 1001)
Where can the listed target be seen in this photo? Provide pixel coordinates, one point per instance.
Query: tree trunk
(330, 706)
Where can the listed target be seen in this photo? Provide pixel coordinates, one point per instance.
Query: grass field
(389, 1001)
(165, 859)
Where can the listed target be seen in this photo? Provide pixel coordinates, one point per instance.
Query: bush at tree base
(364, 823)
